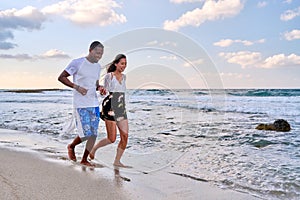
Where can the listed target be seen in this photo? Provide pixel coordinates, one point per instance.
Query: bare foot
(88, 164)
(119, 164)
(71, 153)
(92, 155)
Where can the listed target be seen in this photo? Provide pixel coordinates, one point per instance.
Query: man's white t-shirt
(85, 74)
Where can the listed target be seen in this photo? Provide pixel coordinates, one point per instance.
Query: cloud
(161, 44)
(193, 63)
(27, 18)
(211, 10)
(243, 58)
(254, 59)
(185, 1)
(82, 12)
(6, 35)
(87, 12)
(20, 57)
(172, 57)
(54, 53)
(292, 35)
(262, 4)
(229, 42)
(7, 45)
(231, 76)
(290, 14)
(51, 54)
(281, 60)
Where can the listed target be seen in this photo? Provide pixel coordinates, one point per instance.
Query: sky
(169, 43)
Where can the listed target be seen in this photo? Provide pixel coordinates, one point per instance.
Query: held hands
(81, 90)
(101, 90)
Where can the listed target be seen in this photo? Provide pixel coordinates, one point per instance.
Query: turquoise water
(212, 131)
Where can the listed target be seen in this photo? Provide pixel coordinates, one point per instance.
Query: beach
(30, 171)
(28, 176)
(184, 144)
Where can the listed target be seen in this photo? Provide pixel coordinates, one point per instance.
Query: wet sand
(27, 176)
(40, 171)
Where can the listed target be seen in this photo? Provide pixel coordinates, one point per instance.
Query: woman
(113, 109)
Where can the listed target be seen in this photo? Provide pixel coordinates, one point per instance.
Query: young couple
(86, 73)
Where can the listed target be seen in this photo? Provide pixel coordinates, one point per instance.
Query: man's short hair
(96, 44)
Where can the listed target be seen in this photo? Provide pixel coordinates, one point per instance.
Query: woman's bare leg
(111, 137)
(123, 129)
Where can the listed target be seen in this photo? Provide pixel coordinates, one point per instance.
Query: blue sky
(169, 43)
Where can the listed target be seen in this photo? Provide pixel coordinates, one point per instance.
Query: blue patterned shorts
(87, 121)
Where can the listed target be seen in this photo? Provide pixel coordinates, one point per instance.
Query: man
(86, 73)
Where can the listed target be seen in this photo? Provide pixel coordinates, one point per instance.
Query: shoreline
(43, 171)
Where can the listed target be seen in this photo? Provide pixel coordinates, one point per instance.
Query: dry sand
(34, 175)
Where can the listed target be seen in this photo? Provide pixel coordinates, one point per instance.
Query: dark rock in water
(282, 125)
(268, 127)
(279, 125)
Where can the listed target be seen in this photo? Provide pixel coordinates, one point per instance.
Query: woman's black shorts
(113, 107)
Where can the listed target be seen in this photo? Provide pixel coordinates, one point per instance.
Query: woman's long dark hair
(112, 67)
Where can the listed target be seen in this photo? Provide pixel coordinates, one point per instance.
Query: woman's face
(121, 65)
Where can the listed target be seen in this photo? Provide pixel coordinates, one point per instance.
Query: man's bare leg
(71, 148)
(89, 145)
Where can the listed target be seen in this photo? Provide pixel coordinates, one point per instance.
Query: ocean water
(211, 133)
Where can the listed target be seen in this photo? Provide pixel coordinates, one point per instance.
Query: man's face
(96, 54)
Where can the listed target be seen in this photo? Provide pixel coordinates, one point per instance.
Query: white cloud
(281, 60)
(28, 18)
(54, 53)
(82, 12)
(288, 1)
(262, 4)
(243, 58)
(254, 59)
(290, 14)
(185, 1)
(211, 10)
(161, 44)
(87, 12)
(193, 63)
(224, 43)
(260, 41)
(231, 76)
(152, 43)
(292, 35)
(229, 42)
(172, 57)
